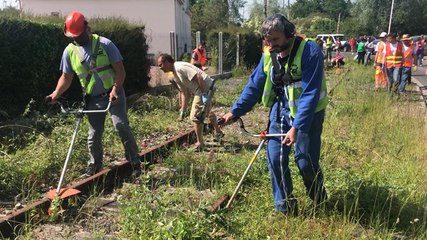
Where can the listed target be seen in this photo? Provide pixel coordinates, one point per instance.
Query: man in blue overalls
(297, 97)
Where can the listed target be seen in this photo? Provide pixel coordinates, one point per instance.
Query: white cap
(383, 34)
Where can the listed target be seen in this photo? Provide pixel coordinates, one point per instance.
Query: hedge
(30, 54)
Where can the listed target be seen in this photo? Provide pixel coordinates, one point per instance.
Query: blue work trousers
(307, 155)
(406, 76)
(393, 79)
(121, 125)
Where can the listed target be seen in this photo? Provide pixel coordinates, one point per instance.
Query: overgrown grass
(32, 165)
(373, 158)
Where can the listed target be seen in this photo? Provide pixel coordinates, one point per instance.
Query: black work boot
(136, 171)
(91, 170)
(291, 206)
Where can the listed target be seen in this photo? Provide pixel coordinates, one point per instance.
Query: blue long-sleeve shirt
(311, 81)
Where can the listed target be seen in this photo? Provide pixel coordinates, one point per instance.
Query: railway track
(108, 178)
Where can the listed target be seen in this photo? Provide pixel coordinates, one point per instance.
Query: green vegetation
(373, 155)
(31, 49)
(373, 158)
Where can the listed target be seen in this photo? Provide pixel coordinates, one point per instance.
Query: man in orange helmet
(99, 66)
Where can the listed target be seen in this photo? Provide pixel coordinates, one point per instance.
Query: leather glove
(205, 99)
(414, 68)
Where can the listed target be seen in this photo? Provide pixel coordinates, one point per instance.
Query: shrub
(31, 52)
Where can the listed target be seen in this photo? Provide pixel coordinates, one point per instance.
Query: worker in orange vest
(409, 57)
(393, 62)
(380, 73)
(198, 56)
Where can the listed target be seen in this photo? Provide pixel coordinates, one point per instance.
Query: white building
(162, 18)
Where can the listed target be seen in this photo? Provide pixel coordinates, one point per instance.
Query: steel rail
(106, 179)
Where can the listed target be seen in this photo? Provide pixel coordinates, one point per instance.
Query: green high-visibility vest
(102, 67)
(294, 89)
(329, 43)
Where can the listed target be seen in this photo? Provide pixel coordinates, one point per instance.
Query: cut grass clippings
(373, 157)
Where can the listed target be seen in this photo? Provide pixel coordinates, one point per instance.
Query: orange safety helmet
(75, 24)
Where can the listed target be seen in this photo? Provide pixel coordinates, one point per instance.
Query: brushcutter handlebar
(48, 99)
(262, 135)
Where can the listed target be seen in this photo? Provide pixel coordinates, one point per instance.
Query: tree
(333, 8)
(256, 15)
(234, 10)
(208, 15)
(303, 8)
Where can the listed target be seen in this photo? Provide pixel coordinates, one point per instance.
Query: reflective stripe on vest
(408, 56)
(268, 95)
(294, 89)
(103, 67)
(201, 57)
(393, 60)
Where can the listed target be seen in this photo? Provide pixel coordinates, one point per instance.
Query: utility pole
(391, 16)
(265, 7)
(289, 10)
(338, 25)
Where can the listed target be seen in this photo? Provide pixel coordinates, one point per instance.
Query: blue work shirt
(311, 81)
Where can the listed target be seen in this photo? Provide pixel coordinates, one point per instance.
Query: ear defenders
(289, 30)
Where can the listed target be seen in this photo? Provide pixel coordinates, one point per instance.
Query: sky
(245, 10)
(6, 3)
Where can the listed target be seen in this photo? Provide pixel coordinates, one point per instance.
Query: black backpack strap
(91, 66)
(295, 47)
(281, 78)
(94, 54)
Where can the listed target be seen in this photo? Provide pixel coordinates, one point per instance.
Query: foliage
(208, 15)
(234, 10)
(368, 197)
(250, 46)
(31, 50)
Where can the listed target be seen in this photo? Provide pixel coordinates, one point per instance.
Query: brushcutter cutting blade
(63, 193)
(219, 203)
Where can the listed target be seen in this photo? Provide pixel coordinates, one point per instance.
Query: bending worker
(297, 97)
(99, 66)
(192, 80)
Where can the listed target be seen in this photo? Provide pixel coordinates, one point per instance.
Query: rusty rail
(105, 179)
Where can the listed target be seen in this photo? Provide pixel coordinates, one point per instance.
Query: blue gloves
(205, 99)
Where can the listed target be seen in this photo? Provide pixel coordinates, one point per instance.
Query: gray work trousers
(119, 118)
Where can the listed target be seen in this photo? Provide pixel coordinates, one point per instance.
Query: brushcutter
(67, 192)
(264, 137)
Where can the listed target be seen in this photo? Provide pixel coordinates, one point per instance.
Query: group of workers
(395, 60)
(289, 79)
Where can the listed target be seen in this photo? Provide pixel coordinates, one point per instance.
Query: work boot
(92, 170)
(291, 206)
(136, 171)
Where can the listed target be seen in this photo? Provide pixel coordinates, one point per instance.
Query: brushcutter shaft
(245, 173)
(266, 135)
(70, 149)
